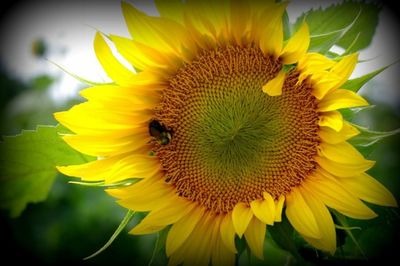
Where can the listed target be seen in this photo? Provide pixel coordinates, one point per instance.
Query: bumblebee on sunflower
(227, 126)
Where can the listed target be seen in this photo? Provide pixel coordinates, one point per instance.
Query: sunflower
(226, 125)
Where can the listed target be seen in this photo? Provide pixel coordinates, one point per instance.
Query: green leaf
(286, 26)
(42, 82)
(323, 42)
(283, 235)
(274, 255)
(347, 227)
(360, 35)
(28, 166)
(128, 217)
(125, 183)
(368, 137)
(159, 248)
(343, 222)
(349, 24)
(349, 114)
(357, 83)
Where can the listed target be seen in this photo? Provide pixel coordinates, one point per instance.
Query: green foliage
(120, 184)
(286, 26)
(376, 240)
(10, 87)
(350, 114)
(42, 82)
(69, 225)
(159, 257)
(128, 217)
(28, 166)
(369, 137)
(343, 222)
(349, 24)
(26, 105)
(283, 235)
(273, 255)
(357, 83)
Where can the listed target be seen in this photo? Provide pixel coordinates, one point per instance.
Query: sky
(68, 29)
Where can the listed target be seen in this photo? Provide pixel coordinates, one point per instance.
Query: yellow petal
(208, 21)
(186, 253)
(344, 68)
(210, 12)
(103, 146)
(138, 187)
(208, 245)
(335, 196)
(228, 233)
(202, 241)
(114, 69)
(113, 169)
(314, 62)
(147, 199)
(324, 82)
(201, 30)
(181, 230)
(241, 217)
(169, 213)
(156, 32)
(274, 86)
(338, 99)
(345, 158)
(172, 9)
(239, 19)
(300, 215)
(341, 169)
(147, 229)
(93, 171)
(123, 119)
(89, 119)
(297, 46)
(327, 242)
(177, 257)
(332, 137)
(139, 55)
(123, 98)
(278, 208)
(265, 14)
(271, 39)
(369, 189)
(255, 235)
(221, 255)
(342, 153)
(264, 210)
(332, 119)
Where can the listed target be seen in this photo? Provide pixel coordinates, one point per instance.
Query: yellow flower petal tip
(339, 99)
(279, 207)
(241, 217)
(274, 86)
(297, 46)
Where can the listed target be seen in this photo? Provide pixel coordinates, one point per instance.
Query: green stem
(128, 217)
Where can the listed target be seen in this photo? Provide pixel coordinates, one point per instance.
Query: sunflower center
(230, 142)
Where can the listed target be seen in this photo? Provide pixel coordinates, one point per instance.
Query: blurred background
(76, 221)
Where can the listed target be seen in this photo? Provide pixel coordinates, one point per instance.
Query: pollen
(230, 142)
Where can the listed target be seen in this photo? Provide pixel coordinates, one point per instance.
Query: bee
(159, 132)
